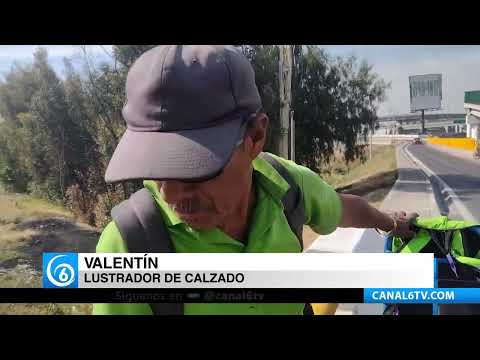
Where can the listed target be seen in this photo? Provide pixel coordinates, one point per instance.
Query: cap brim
(182, 155)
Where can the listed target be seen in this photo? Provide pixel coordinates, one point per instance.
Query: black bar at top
(119, 295)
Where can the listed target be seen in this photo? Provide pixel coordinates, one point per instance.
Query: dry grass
(45, 309)
(39, 208)
(338, 174)
(10, 236)
(11, 240)
(14, 209)
(22, 277)
(9, 211)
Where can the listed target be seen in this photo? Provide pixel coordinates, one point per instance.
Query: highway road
(462, 175)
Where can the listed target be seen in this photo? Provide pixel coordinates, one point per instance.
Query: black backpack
(143, 230)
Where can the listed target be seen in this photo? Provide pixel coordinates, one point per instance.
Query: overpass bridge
(435, 124)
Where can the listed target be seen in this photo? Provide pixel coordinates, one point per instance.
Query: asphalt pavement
(412, 192)
(460, 174)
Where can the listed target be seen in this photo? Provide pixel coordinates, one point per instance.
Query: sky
(458, 64)
(23, 54)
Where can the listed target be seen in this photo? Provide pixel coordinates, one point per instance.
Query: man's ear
(256, 135)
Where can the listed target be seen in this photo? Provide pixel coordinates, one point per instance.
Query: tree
(264, 59)
(13, 170)
(57, 135)
(127, 54)
(334, 101)
(16, 92)
(314, 103)
(104, 91)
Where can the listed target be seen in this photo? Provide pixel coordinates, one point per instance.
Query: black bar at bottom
(119, 295)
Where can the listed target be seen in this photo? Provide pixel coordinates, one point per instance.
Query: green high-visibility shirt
(269, 233)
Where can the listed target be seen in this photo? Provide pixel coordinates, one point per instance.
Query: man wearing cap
(195, 135)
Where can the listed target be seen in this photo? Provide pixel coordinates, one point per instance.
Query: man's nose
(174, 190)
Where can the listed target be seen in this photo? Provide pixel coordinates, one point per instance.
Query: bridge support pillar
(475, 132)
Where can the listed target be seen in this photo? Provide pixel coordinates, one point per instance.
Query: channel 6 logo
(60, 270)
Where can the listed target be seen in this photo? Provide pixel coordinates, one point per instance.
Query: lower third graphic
(60, 270)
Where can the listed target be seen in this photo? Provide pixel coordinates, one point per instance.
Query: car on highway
(417, 141)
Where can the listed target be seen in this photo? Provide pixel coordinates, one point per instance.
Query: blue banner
(60, 270)
(422, 296)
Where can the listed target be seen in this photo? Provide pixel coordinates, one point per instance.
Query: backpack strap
(444, 247)
(448, 240)
(292, 201)
(143, 230)
(292, 208)
(438, 238)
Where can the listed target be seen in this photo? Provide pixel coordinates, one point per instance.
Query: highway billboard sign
(425, 92)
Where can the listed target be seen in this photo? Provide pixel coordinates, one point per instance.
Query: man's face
(205, 205)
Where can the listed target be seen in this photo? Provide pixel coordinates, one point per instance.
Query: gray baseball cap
(186, 110)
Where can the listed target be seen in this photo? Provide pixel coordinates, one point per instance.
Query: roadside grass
(45, 309)
(15, 270)
(15, 208)
(11, 241)
(40, 208)
(340, 174)
(9, 212)
(22, 277)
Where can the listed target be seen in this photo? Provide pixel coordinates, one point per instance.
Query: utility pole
(285, 79)
(370, 146)
(292, 136)
(423, 122)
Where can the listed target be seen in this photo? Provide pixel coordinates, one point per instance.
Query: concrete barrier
(392, 139)
(457, 143)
